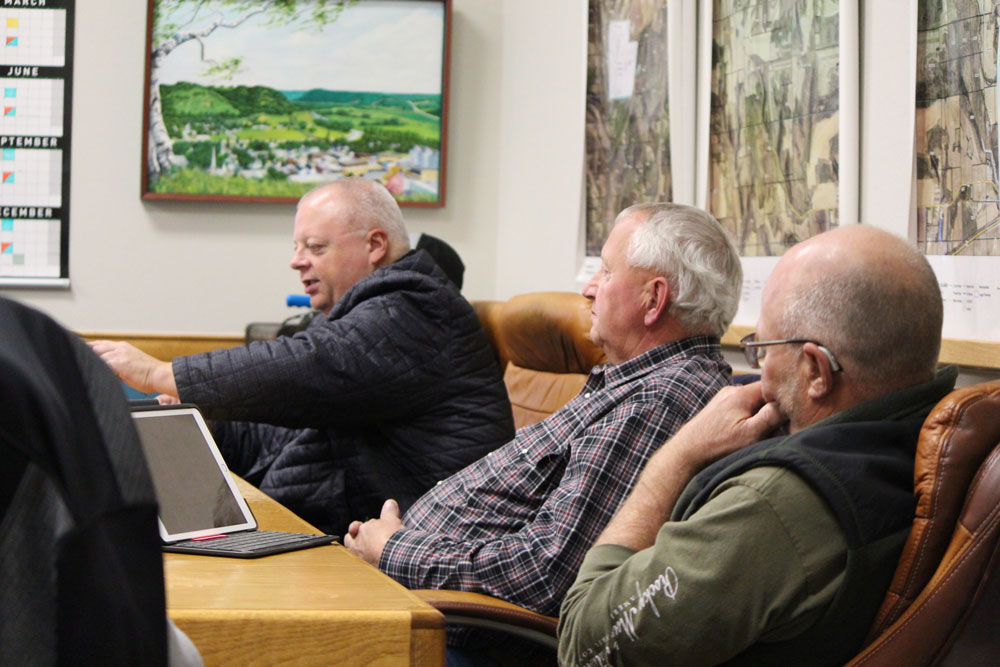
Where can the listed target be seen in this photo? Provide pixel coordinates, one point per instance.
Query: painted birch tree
(177, 22)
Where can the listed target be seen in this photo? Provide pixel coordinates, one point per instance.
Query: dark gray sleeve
(382, 360)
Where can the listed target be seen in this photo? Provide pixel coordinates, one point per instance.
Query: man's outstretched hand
(136, 368)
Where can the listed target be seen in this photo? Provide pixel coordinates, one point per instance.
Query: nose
(298, 261)
(590, 289)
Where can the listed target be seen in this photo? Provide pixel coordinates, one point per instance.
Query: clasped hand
(368, 539)
(736, 416)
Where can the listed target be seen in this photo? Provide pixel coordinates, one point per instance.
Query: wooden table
(316, 606)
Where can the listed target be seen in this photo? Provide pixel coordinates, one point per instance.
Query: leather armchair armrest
(484, 611)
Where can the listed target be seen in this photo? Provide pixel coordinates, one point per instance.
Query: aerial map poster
(781, 139)
(774, 137)
(958, 199)
(628, 119)
(36, 72)
(958, 203)
(264, 100)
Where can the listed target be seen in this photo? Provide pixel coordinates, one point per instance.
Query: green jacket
(757, 563)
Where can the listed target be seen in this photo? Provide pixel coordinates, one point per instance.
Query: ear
(819, 373)
(656, 300)
(378, 246)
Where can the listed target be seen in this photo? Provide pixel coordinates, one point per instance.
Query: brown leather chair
(485, 611)
(944, 601)
(543, 348)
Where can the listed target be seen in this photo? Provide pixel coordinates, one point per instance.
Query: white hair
(696, 255)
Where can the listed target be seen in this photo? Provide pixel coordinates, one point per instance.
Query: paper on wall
(622, 57)
(970, 291)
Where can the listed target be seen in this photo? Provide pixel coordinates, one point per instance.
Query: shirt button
(440, 481)
(525, 451)
(587, 395)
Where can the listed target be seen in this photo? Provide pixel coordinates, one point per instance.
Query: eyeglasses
(753, 353)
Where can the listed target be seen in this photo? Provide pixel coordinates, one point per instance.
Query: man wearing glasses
(741, 544)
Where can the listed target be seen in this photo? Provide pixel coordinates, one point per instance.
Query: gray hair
(698, 258)
(371, 206)
(883, 319)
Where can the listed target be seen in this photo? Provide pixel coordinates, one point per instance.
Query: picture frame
(263, 100)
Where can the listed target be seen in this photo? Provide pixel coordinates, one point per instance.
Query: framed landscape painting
(263, 100)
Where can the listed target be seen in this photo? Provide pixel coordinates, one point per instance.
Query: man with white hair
(517, 523)
(739, 548)
(393, 388)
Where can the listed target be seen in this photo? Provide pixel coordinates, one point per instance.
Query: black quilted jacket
(396, 389)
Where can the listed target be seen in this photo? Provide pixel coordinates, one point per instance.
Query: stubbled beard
(788, 396)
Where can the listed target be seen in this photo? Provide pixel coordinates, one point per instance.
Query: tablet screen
(195, 492)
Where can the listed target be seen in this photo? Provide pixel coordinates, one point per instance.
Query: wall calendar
(36, 72)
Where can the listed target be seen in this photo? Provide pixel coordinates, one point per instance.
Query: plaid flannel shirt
(517, 523)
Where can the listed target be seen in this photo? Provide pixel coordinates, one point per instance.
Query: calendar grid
(33, 37)
(29, 247)
(31, 107)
